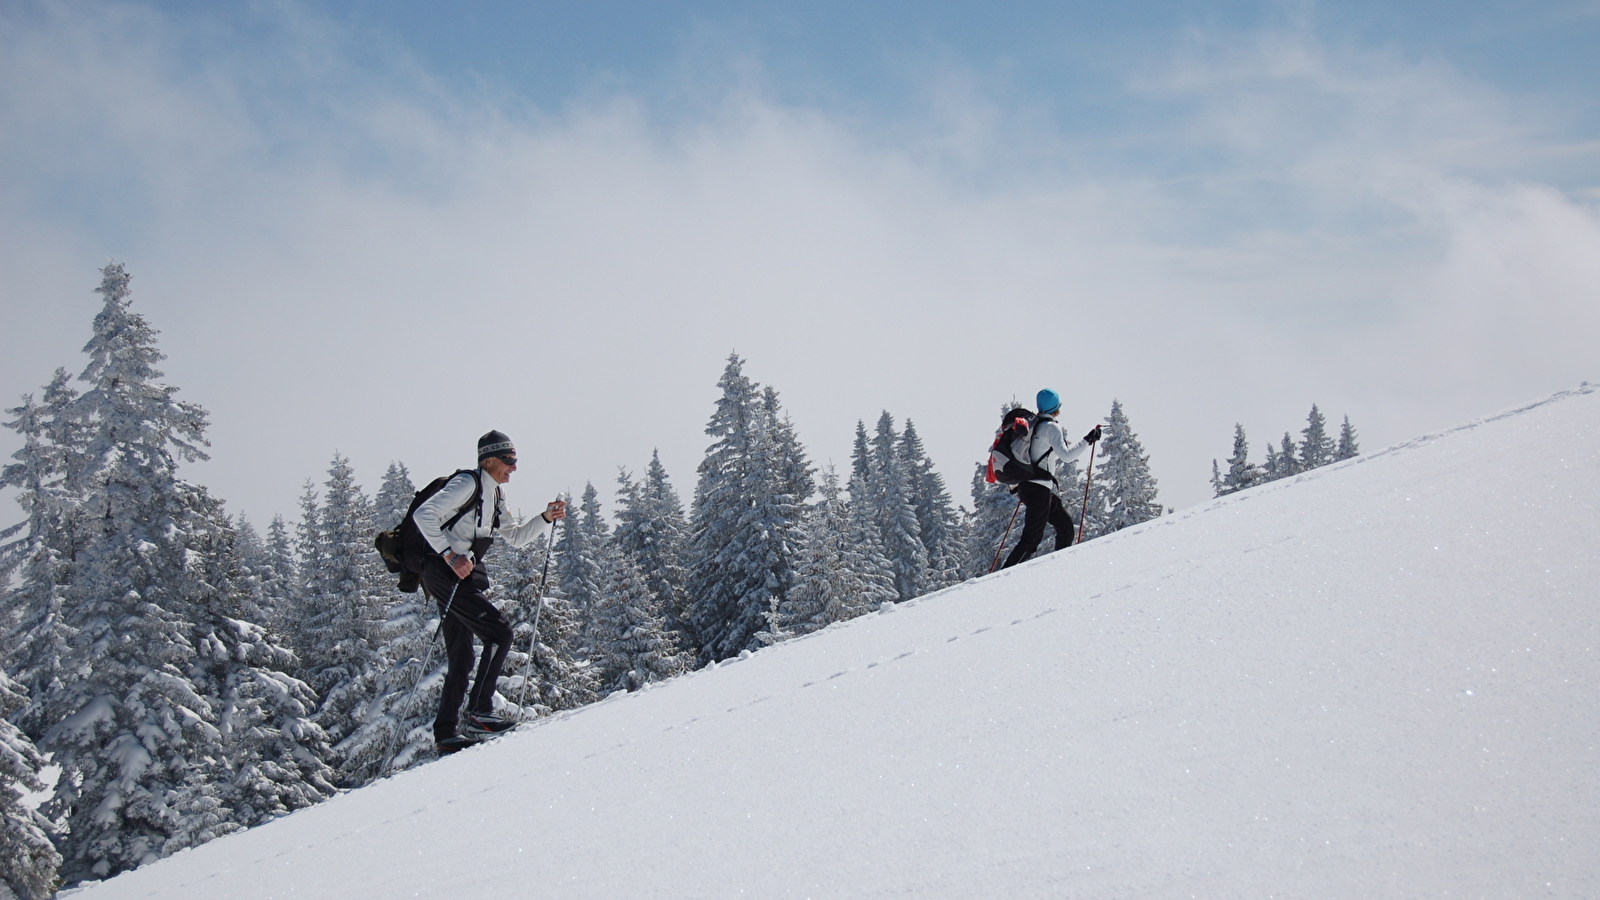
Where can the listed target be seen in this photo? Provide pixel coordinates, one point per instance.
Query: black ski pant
(1044, 507)
(470, 613)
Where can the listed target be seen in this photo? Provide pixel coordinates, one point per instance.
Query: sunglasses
(508, 460)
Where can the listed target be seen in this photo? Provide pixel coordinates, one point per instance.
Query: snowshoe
(454, 743)
(482, 725)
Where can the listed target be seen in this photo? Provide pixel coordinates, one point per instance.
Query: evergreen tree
(632, 647)
(1316, 447)
(32, 619)
(343, 610)
(938, 522)
(860, 455)
(1347, 442)
(994, 509)
(394, 727)
(138, 744)
(889, 494)
(28, 861)
(1241, 472)
(1287, 463)
(835, 578)
(1130, 489)
(279, 577)
(581, 555)
(1273, 466)
(746, 518)
(394, 497)
(788, 464)
(865, 558)
(276, 756)
(559, 675)
(651, 531)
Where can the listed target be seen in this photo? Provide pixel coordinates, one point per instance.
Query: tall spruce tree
(1316, 446)
(889, 495)
(39, 550)
(1348, 447)
(939, 523)
(1130, 489)
(345, 604)
(632, 645)
(836, 579)
(559, 676)
(29, 863)
(744, 528)
(280, 575)
(1242, 473)
(276, 756)
(651, 530)
(394, 497)
(393, 727)
(581, 555)
(138, 742)
(1271, 468)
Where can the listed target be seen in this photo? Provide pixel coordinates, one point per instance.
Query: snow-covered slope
(1379, 679)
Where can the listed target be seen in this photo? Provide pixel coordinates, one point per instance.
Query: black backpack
(403, 547)
(1009, 461)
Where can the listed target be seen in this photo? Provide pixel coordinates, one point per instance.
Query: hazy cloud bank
(342, 254)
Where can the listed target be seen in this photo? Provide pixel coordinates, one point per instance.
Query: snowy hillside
(1378, 679)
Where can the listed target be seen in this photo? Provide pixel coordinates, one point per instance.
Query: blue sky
(1216, 214)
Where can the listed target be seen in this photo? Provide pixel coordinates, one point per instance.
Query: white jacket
(1047, 436)
(436, 510)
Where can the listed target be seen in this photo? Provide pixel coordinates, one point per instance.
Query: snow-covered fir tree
(835, 579)
(139, 745)
(865, 557)
(651, 530)
(938, 520)
(37, 553)
(279, 575)
(276, 756)
(394, 726)
(1272, 465)
(1130, 489)
(581, 554)
(889, 496)
(29, 863)
(1242, 473)
(744, 527)
(1285, 462)
(632, 646)
(393, 497)
(346, 594)
(788, 463)
(1348, 446)
(559, 676)
(1316, 445)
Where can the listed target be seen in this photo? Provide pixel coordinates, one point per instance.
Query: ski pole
(427, 657)
(533, 639)
(1088, 474)
(1006, 538)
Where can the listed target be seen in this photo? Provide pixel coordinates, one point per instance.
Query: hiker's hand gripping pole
(1088, 475)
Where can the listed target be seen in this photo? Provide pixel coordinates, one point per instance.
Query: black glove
(1092, 436)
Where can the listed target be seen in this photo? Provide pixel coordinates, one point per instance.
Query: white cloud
(345, 256)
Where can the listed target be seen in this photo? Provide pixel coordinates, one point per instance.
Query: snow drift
(1376, 679)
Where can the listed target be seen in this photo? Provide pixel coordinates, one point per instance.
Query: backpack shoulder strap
(475, 503)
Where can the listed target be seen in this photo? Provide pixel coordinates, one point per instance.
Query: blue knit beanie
(1048, 402)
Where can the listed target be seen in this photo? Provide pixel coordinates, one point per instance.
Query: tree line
(1317, 448)
(192, 676)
